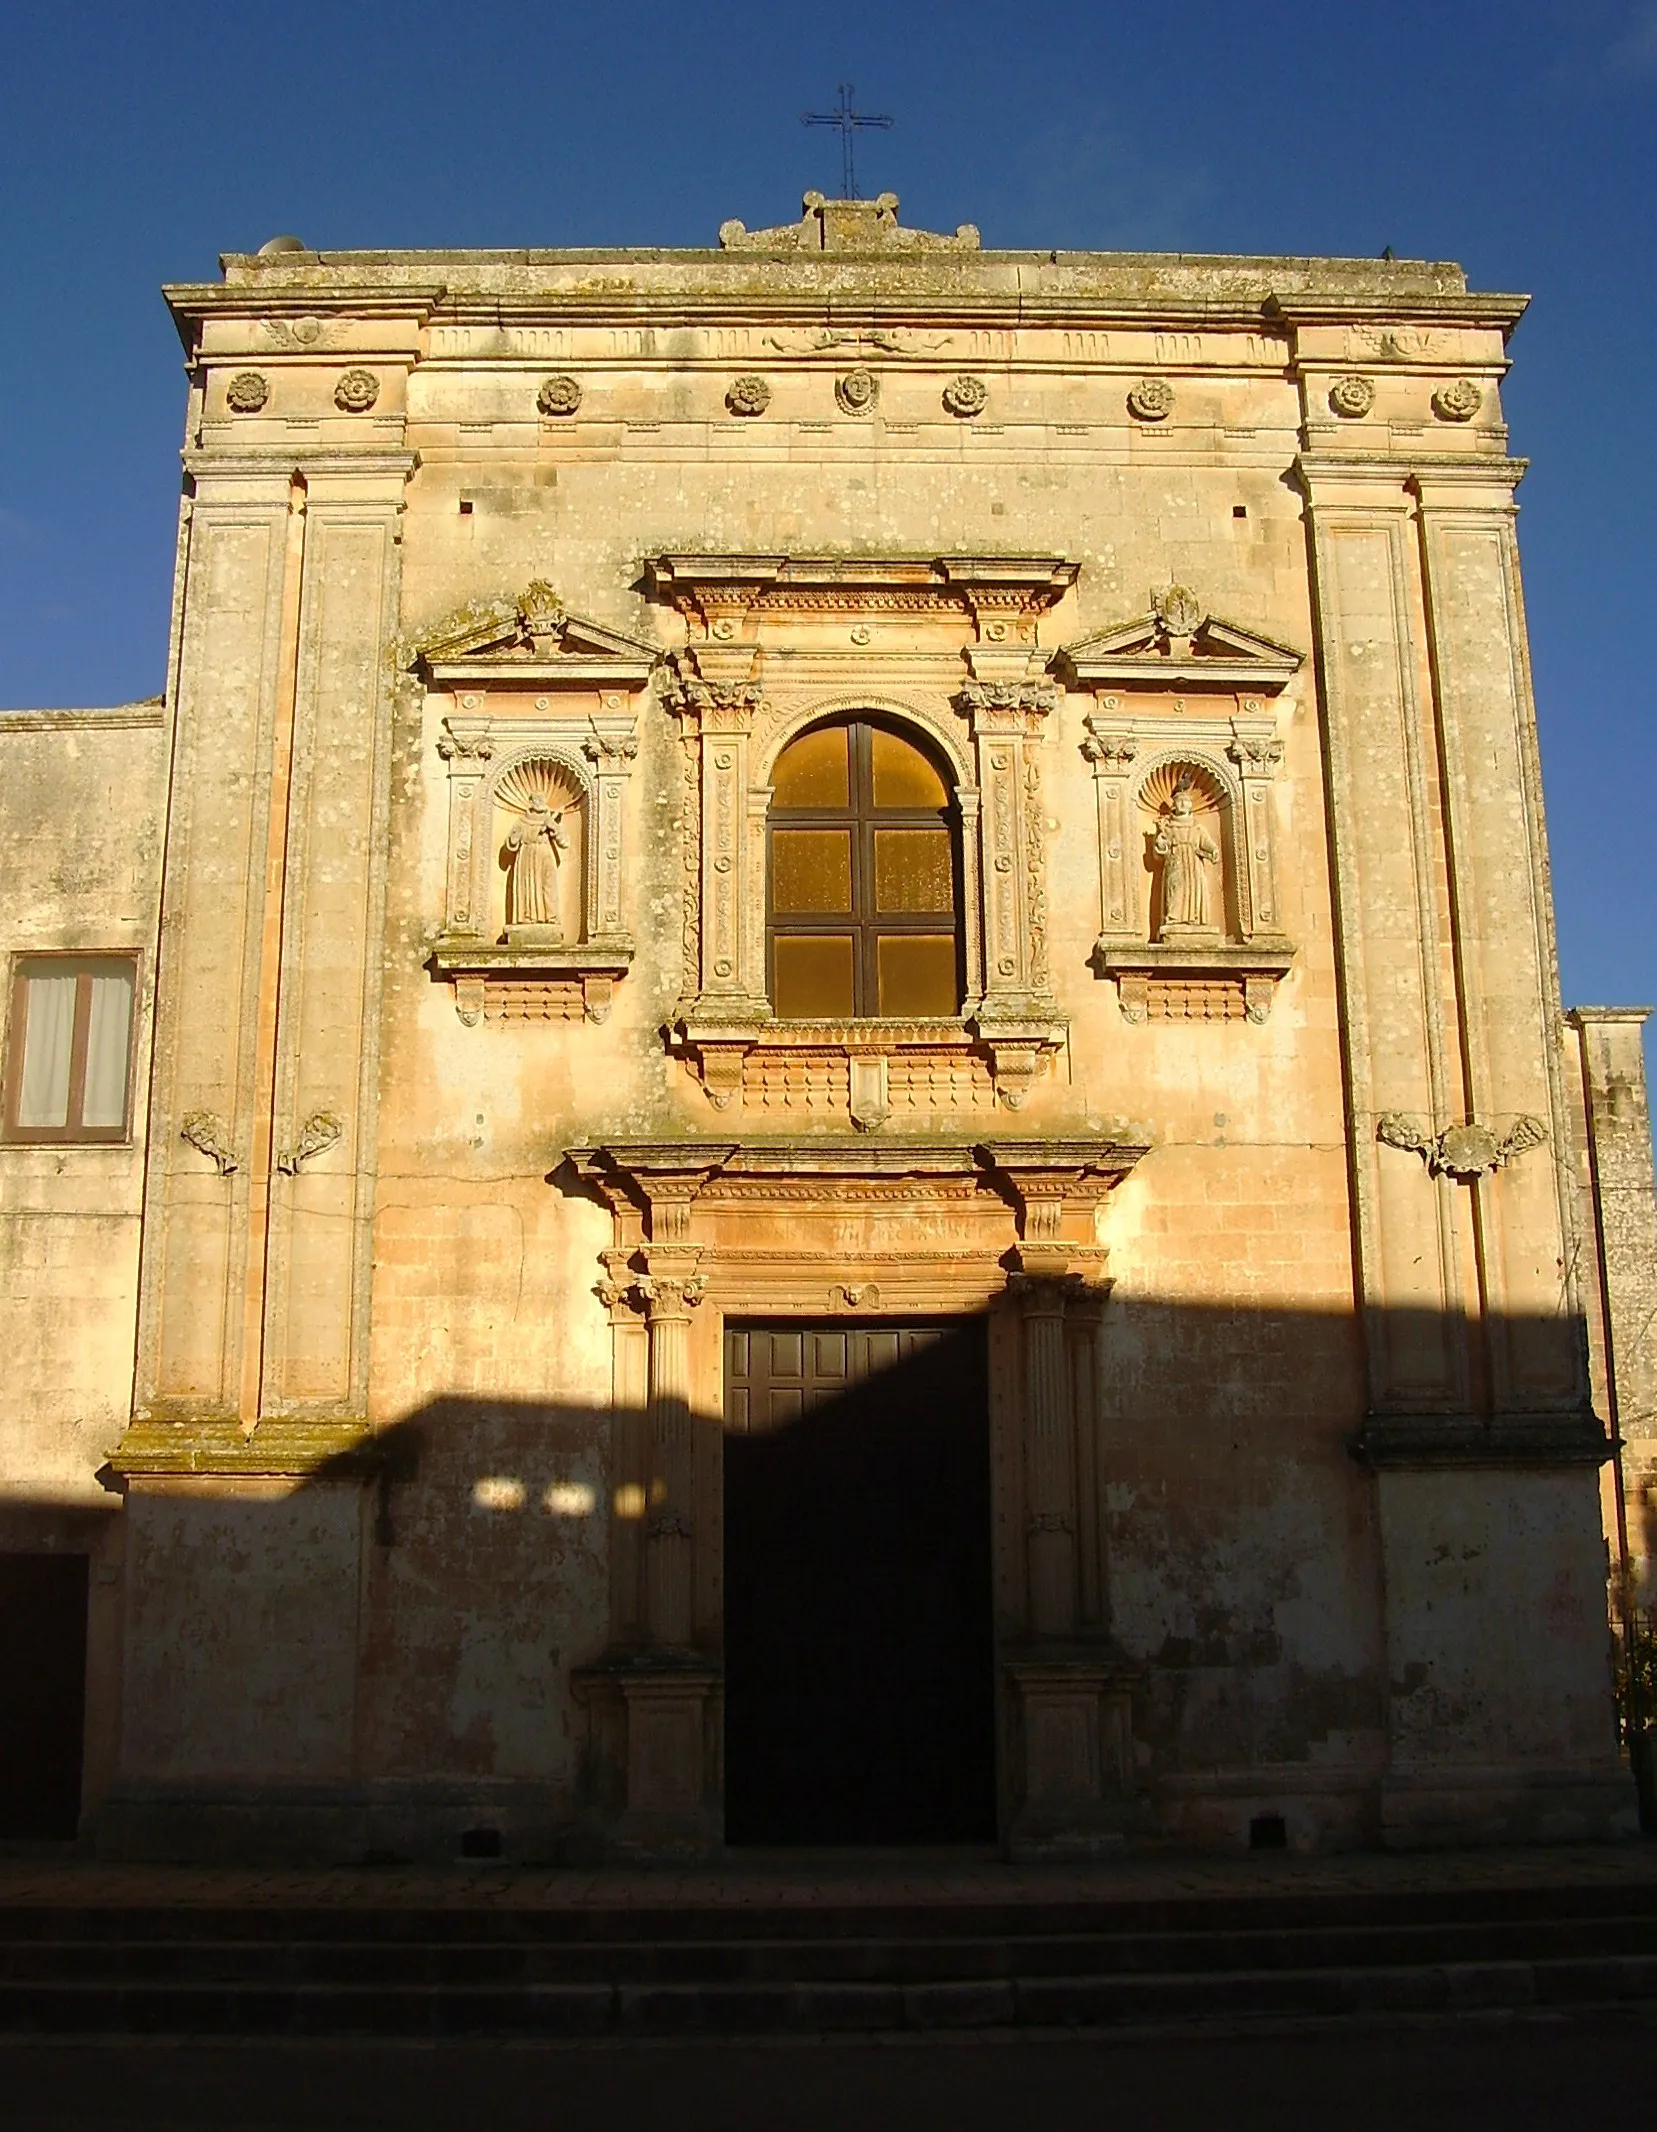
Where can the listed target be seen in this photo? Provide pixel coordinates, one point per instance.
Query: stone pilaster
(326, 1082)
(1624, 1202)
(670, 1291)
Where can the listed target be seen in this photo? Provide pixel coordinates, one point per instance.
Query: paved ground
(1509, 2077)
(816, 1878)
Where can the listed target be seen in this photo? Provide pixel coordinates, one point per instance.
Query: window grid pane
(917, 973)
(811, 870)
(913, 870)
(109, 1029)
(814, 975)
(48, 1042)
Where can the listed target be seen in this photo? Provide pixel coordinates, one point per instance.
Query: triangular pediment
(526, 633)
(1178, 641)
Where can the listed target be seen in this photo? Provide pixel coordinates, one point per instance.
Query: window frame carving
(769, 654)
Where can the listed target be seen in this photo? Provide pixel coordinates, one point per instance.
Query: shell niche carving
(1156, 794)
(538, 776)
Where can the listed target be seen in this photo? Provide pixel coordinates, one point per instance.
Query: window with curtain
(864, 882)
(69, 1047)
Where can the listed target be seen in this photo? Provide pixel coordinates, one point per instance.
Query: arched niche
(536, 853)
(1188, 850)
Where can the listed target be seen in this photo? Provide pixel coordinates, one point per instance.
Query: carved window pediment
(539, 732)
(1179, 644)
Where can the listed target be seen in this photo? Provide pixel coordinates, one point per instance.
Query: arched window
(863, 895)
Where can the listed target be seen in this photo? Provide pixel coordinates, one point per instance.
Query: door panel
(858, 1642)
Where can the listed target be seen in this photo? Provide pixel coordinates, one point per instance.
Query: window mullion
(77, 1051)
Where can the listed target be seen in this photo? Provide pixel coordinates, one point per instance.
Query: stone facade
(383, 1368)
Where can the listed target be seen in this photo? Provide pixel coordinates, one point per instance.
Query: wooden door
(859, 1686)
(42, 1693)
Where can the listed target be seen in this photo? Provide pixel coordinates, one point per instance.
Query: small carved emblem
(356, 392)
(321, 1131)
(1352, 397)
(966, 396)
(247, 392)
(558, 396)
(1151, 400)
(1465, 1151)
(748, 396)
(857, 392)
(1178, 610)
(208, 1133)
(1458, 401)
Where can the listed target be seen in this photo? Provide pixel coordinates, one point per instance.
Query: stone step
(88, 2008)
(464, 1964)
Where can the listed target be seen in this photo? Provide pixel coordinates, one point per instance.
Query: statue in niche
(535, 844)
(1187, 852)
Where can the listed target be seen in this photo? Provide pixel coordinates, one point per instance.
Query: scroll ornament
(1464, 1152)
(1151, 400)
(207, 1132)
(321, 1131)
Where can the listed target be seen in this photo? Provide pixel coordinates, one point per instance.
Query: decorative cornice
(1422, 1441)
(277, 1448)
(718, 593)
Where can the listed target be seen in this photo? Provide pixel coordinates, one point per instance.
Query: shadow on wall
(376, 1659)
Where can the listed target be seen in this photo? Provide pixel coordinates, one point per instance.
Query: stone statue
(537, 844)
(1187, 851)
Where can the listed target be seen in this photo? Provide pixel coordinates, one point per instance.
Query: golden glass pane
(814, 974)
(913, 870)
(811, 869)
(815, 770)
(917, 973)
(903, 776)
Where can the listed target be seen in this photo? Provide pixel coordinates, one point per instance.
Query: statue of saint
(1187, 851)
(537, 843)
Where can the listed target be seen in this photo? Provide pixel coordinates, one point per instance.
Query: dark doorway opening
(42, 1693)
(859, 1674)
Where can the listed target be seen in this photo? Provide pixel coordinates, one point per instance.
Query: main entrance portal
(859, 1680)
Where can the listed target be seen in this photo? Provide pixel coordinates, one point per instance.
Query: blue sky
(138, 141)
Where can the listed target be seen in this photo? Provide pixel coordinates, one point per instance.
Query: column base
(1073, 1757)
(653, 1780)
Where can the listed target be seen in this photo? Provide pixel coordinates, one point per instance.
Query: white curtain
(48, 1032)
(107, 1047)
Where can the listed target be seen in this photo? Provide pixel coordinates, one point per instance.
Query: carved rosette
(966, 396)
(558, 396)
(247, 392)
(1459, 400)
(748, 396)
(1151, 400)
(356, 392)
(1352, 397)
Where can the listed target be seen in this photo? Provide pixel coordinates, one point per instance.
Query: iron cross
(846, 122)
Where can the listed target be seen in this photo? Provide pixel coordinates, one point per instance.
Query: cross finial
(846, 121)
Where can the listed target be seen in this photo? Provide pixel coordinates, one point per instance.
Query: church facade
(809, 1087)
